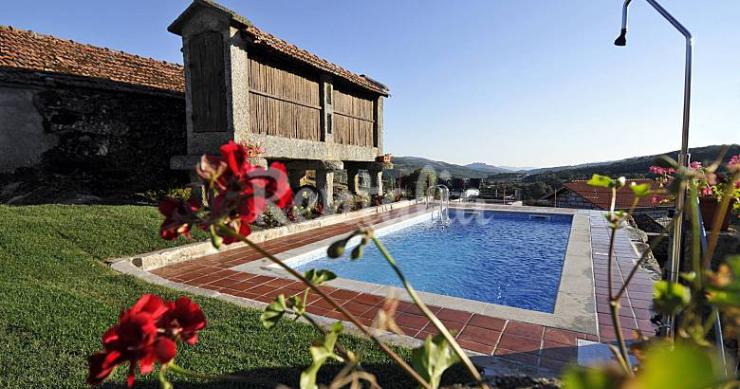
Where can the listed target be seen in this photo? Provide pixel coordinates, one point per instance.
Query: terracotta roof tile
(266, 39)
(601, 197)
(21, 49)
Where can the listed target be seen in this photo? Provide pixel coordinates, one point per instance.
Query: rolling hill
(630, 167)
(406, 165)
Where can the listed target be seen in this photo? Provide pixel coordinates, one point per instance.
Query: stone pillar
(326, 98)
(378, 127)
(325, 185)
(376, 182)
(325, 180)
(237, 86)
(352, 180)
(216, 77)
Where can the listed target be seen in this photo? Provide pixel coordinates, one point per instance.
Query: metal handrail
(444, 202)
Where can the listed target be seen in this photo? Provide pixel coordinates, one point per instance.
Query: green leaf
(579, 377)
(600, 181)
(677, 366)
(356, 252)
(724, 286)
(433, 358)
(318, 277)
(321, 351)
(274, 312)
(669, 297)
(296, 304)
(640, 190)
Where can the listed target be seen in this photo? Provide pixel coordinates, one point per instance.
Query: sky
(517, 83)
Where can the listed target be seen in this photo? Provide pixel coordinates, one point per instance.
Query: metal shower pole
(683, 156)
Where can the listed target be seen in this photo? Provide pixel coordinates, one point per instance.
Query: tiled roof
(601, 197)
(275, 43)
(27, 50)
(270, 41)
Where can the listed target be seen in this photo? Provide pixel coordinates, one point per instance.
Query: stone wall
(100, 136)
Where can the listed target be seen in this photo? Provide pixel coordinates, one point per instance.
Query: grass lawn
(57, 298)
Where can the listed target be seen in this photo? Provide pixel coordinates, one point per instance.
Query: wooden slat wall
(353, 119)
(206, 62)
(283, 103)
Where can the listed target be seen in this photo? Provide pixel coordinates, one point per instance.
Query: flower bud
(357, 252)
(336, 249)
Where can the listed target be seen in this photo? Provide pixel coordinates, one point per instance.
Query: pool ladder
(444, 203)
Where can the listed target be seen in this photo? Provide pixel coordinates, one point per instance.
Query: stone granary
(247, 85)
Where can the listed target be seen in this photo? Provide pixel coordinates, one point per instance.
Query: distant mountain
(486, 168)
(630, 167)
(406, 165)
(517, 168)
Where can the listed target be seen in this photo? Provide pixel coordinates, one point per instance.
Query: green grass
(57, 298)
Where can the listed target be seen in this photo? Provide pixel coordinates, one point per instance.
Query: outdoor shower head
(622, 39)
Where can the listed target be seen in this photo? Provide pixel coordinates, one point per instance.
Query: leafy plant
(685, 358)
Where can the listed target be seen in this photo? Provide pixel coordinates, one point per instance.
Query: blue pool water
(511, 258)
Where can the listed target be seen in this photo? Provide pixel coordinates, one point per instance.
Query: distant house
(578, 194)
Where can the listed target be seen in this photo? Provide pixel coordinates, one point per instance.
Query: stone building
(81, 112)
(247, 85)
(127, 123)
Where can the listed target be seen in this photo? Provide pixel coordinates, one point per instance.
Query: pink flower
(735, 160)
(661, 170)
(696, 165)
(734, 164)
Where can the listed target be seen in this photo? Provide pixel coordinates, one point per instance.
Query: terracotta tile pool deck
(514, 341)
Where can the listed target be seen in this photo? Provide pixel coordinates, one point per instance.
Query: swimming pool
(507, 258)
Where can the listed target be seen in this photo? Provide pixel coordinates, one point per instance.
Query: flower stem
(428, 313)
(614, 302)
(395, 357)
(643, 257)
(719, 217)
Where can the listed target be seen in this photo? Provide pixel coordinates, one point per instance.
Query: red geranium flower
(237, 193)
(184, 319)
(134, 339)
(179, 216)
